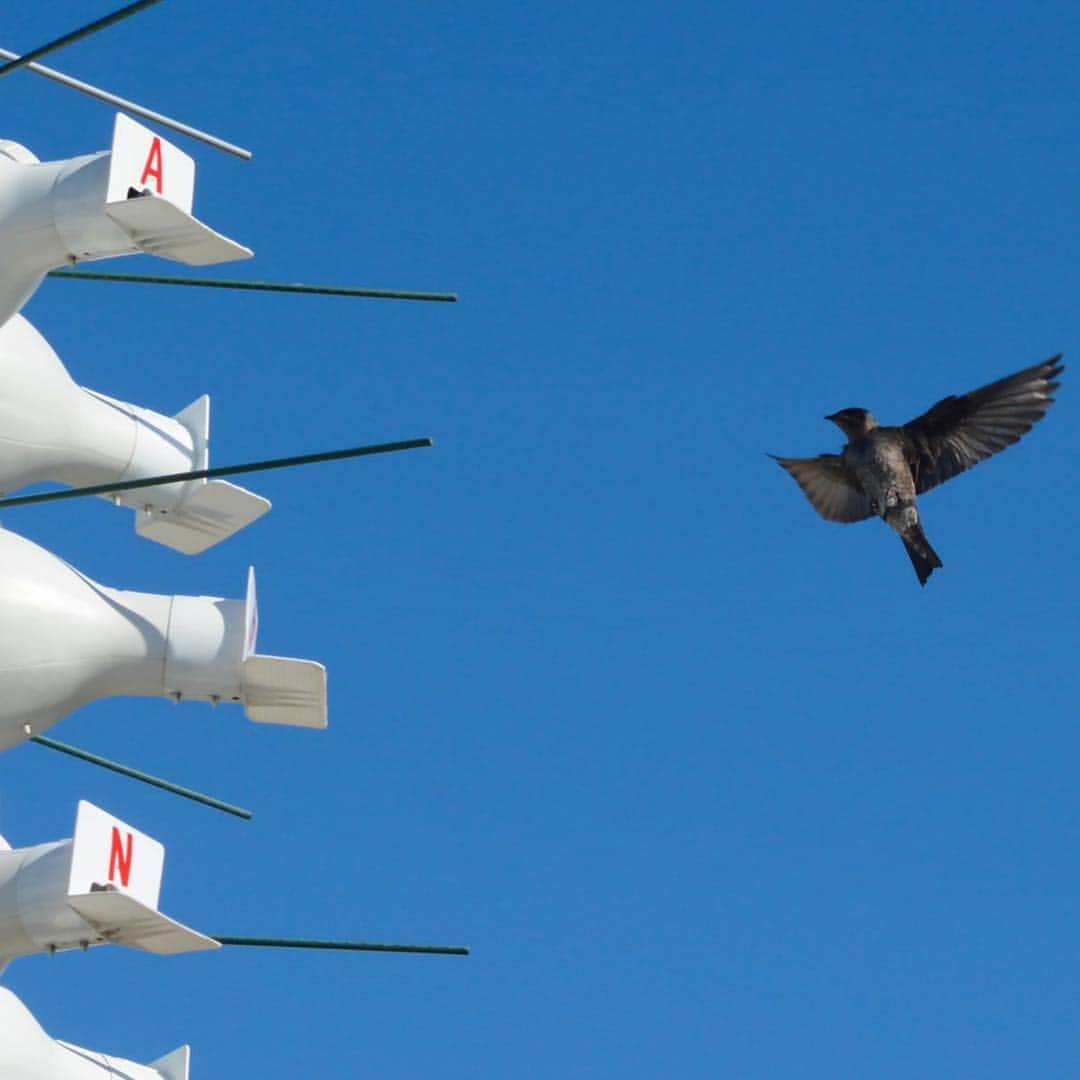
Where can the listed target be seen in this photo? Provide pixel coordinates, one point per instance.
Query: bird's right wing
(832, 488)
(959, 432)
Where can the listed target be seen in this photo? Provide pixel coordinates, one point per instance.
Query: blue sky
(710, 786)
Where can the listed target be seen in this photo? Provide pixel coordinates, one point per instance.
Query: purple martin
(881, 470)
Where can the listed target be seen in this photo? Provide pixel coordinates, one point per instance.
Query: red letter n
(120, 857)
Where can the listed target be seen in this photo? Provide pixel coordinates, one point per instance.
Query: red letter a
(120, 857)
(153, 165)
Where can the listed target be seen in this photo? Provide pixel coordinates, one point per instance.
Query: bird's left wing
(959, 432)
(832, 488)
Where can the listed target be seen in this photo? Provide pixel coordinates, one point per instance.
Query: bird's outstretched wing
(829, 484)
(959, 432)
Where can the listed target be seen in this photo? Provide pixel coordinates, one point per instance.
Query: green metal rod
(207, 474)
(255, 286)
(78, 35)
(350, 946)
(146, 778)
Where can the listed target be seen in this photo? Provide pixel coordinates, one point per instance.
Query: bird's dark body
(882, 470)
(880, 461)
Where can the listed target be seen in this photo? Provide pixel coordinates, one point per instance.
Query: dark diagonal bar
(347, 946)
(209, 474)
(77, 35)
(256, 286)
(146, 778)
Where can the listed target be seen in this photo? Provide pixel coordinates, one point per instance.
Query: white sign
(145, 164)
(108, 855)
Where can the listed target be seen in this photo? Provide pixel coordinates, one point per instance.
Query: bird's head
(853, 422)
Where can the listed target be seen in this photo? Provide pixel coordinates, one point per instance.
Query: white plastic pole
(131, 107)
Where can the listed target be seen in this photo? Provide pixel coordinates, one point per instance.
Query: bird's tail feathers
(923, 557)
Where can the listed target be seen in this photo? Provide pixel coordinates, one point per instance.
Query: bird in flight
(881, 470)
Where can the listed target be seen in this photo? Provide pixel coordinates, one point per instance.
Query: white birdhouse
(52, 429)
(66, 641)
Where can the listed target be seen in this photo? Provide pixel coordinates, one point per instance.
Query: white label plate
(107, 853)
(146, 162)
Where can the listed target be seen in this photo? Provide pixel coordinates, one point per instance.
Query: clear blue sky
(710, 786)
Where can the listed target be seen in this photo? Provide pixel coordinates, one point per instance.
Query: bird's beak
(832, 417)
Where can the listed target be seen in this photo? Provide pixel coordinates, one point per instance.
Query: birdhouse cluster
(66, 640)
